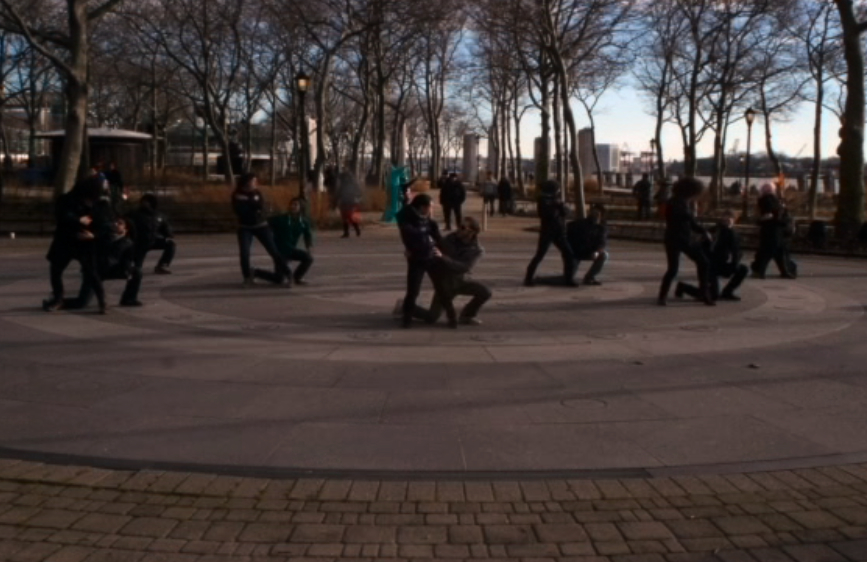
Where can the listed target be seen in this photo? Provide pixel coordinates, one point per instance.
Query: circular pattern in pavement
(322, 378)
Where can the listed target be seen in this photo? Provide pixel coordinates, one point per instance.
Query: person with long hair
(680, 223)
(248, 204)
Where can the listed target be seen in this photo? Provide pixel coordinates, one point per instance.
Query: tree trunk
(769, 138)
(273, 154)
(73, 142)
(599, 176)
(850, 205)
(205, 151)
(543, 162)
(813, 197)
(558, 136)
(522, 187)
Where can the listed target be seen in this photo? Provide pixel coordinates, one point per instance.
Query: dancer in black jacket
(552, 230)
(248, 204)
(420, 235)
(679, 226)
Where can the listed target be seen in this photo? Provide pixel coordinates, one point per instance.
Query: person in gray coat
(347, 196)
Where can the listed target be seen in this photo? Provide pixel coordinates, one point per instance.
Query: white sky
(622, 117)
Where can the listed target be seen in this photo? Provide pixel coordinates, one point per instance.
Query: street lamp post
(302, 85)
(750, 116)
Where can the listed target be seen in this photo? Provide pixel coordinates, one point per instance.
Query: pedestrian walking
(489, 194)
(348, 195)
(643, 193)
(504, 195)
(452, 197)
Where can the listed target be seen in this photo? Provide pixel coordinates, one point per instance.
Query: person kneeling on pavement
(152, 232)
(289, 229)
(725, 261)
(451, 274)
(588, 238)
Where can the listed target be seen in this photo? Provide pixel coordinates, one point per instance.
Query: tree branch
(29, 34)
(100, 11)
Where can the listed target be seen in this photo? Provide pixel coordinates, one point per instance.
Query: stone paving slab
(58, 513)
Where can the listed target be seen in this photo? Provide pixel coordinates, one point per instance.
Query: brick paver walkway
(77, 514)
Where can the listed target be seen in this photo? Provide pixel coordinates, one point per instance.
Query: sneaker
(50, 305)
(301, 282)
(397, 312)
(131, 303)
(572, 283)
(470, 321)
(162, 270)
(788, 276)
(103, 309)
(592, 282)
(662, 301)
(406, 323)
(453, 323)
(729, 297)
(678, 291)
(757, 275)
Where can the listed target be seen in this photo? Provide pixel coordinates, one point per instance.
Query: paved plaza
(228, 423)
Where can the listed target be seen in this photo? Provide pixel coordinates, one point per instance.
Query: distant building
(609, 154)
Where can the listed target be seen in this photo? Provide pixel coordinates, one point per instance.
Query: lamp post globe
(749, 117)
(302, 85)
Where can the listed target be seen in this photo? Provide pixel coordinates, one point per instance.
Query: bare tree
(62, 35)
(850, 205)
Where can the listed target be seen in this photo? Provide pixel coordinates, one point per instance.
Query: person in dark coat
(115, 184)
(680, 224)
(248, 204)
(460, 252)
(72, 236)
(552, 230)
(663, 194)
(504, 195)
(421, 237)
(725, 261)
(152, 231)
(452, 197)
(643, 192)
(588, 239)
(114, 256)
(774, 222)
(348, 197)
